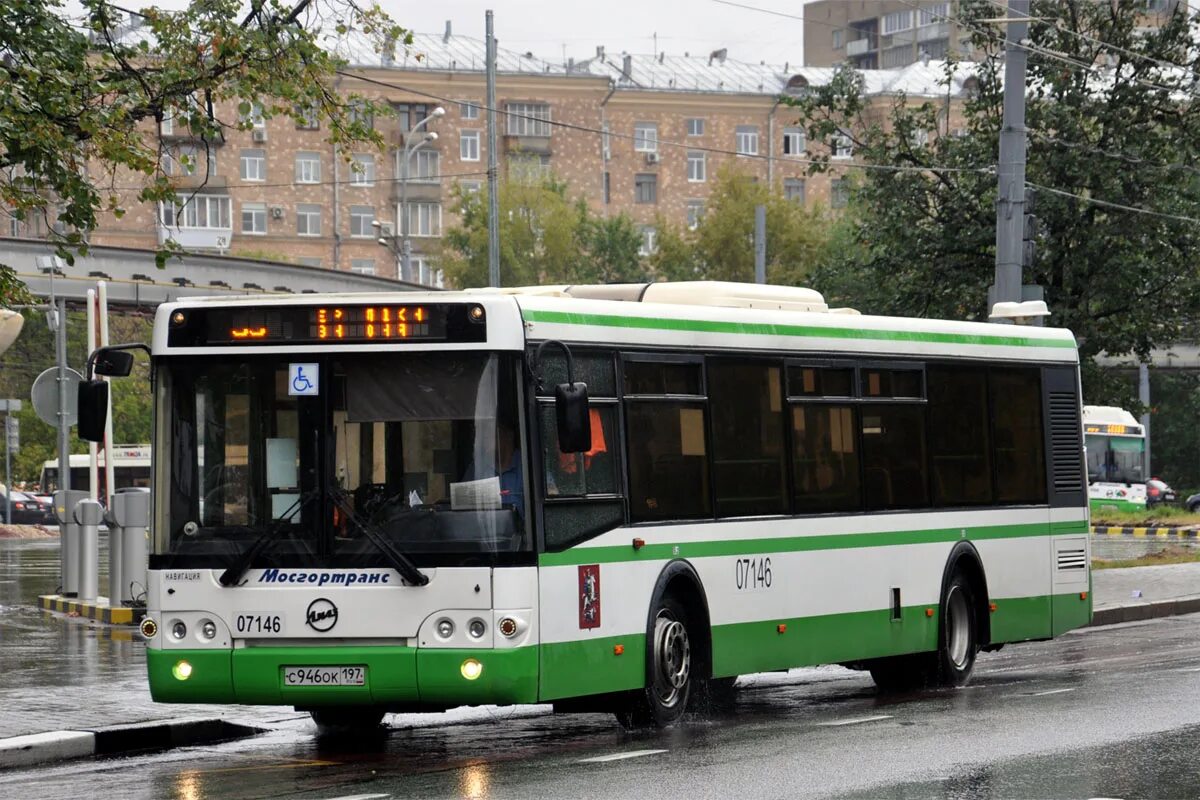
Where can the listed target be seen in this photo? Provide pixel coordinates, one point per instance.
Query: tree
(722, 245)
(545, 238)
(1111, 124)
(81, 99)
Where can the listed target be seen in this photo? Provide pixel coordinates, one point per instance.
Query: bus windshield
(327, 455)
(1117, 459)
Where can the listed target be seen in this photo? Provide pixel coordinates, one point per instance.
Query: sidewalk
(61, 674)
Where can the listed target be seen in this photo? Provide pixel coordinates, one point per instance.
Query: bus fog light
(476, 628)
(507, 626)
(182, 671)
(471, 669)
(445, 628)
(178, 630)
(149, 628)
(208, 630)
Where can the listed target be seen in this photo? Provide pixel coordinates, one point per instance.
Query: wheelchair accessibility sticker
(303, 379)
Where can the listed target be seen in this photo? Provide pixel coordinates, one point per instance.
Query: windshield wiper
(232, 576)
(399, 562)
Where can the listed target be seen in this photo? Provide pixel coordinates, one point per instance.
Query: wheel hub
(672, 659)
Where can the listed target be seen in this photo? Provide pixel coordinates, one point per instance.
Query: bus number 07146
(752, 573)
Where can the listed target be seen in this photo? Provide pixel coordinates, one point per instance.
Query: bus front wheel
(669, 663)
(958, 644)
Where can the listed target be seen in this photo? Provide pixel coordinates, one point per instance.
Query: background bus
(131, 467)
(1116, 459)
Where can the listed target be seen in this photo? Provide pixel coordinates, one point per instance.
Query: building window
(361, 218)
(409, 114)
(695, 127)
(362, 170)
(747, 140)
(898, 57)
(358, 114)
(471, 187)
(308, 261)
(306, 118)
(528, 119)
(200, 211)
(794, 142)
(468, 110)
(649, 241)
(255, 118)
(254, 218)
(838, 39)
(842, 146)
(363, 266)
(897, 21)
(935, 49)
(529, 167)
(793, 190)
(695, 210)
(645, 188)
(183, 159)
(254, 165)
(423, 166)
(839, 193)
(424, 219)
(938, 12)
(468, 145)
(308, 167)
(697, 172)
(645, 137)
(167, 126)
(308, 220)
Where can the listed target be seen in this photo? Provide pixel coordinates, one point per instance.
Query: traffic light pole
(1010, 199)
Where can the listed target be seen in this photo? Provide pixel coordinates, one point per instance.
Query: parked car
(1193, 503)
(26, 509)
(1158, 493)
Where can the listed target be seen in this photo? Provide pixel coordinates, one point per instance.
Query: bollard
(68, 539)
(89, 514)
(114, 556)
(131, 509)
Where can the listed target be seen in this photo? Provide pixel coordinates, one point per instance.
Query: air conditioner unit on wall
(652, 158)
(276, 212)
(260, 134)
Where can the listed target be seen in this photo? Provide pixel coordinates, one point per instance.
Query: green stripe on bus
(788, 544)
(770, 329)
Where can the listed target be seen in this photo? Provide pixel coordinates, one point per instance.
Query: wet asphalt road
(1105, 713)
(1109, 712)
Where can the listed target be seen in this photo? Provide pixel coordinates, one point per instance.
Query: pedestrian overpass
(133, 280)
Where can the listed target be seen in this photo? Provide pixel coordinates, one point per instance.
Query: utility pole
(64, 430)
(760, 244)
(1010, 199)
(493, 177)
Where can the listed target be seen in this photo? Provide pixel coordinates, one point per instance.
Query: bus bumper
(394, 675)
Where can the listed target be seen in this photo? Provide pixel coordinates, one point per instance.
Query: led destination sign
(318, 324)
(1127, 430)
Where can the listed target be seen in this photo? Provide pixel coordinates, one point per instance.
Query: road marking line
(858, 721)
(1052, 691)
(620, 756)
(1190, 669)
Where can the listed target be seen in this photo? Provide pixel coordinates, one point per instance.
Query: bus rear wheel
(347, 720)
(958, 644)
(669, 663)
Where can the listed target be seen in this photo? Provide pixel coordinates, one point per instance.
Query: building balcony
(196, 238)
(939, 30)
(858, 47)
(538, 145)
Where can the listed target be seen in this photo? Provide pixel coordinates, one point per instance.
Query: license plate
(324, 676)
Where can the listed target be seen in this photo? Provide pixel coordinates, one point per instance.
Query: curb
(1112, 530)
(1134, 612)
(100, 610)
(40, 748)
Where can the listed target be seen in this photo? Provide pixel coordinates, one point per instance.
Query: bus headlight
(182, 670)
(178, 630)
(471, 669)
(476, 628)
(445, 628)
(208, 630)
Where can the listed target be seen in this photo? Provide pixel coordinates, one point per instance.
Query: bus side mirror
(574, 423)
(113, 363)
(93, 410)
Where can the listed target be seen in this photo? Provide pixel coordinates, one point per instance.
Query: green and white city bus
(1116, 459)
(362, 503)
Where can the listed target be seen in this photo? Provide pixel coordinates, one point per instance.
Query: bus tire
(670, 678)
(344, 720)
(958, 644)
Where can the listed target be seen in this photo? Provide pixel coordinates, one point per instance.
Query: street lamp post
(411, 145)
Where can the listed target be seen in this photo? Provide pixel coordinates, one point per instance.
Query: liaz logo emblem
(589, 596)
(321, 616)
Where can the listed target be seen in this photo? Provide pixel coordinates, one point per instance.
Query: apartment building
(635, 134)
(886, 34)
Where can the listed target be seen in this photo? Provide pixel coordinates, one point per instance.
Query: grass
(1159, 515)
(1171, 554)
